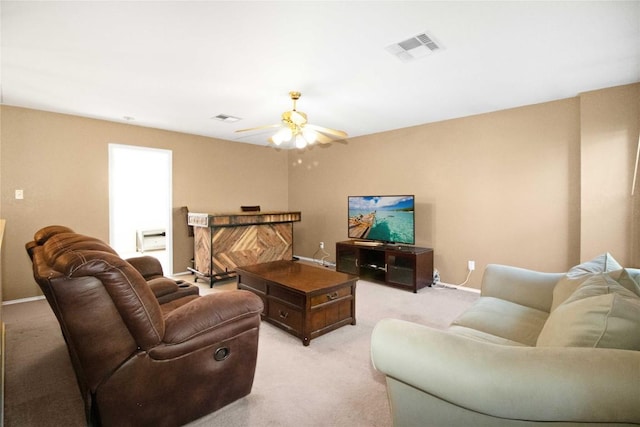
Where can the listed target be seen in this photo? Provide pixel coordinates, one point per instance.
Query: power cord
(467, 279)
(440, 285)
(437, 284)
(324, 254)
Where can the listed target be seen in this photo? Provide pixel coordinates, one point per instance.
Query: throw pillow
(601, 313)
(578, 274)
(603, 262)
(601, 284)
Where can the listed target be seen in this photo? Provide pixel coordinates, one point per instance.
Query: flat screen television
(387, 219)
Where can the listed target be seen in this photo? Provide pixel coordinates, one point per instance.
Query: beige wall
(493, 188)
(61, 163)
(610, 121)
(506, 187)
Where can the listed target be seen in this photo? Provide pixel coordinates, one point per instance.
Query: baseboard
(183, 273)
(18, 301)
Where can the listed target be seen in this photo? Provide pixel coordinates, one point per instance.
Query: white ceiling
(176, 64)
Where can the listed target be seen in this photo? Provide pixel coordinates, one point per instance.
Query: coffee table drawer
(330, 296)
(286, 295)
(330, 315)
(285, 315)
(253, 282)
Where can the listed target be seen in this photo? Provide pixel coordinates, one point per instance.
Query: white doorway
(140, 183)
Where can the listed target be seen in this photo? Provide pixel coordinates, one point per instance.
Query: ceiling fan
(294, 126)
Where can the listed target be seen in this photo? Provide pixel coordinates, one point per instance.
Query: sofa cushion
(504, 319)
(578, 274)
(600, 313)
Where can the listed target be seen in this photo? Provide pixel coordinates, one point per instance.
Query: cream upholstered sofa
(534, 348)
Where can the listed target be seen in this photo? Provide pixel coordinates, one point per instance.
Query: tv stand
(402, 266)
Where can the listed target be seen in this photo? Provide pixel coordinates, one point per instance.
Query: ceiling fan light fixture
(294, 126)
(283, 135)
(309, 135)
(300, 141)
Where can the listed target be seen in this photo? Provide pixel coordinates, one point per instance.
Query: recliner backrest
(105, 307)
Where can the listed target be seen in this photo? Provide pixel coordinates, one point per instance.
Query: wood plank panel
(223, 242)
(202, 251)
(253, 244)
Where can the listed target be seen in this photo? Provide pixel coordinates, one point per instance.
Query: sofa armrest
(147, 266)
(208, 320)
(525, 287)
(525, 383)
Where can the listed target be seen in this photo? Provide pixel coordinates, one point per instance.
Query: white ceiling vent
(226, 118)
(416, 47)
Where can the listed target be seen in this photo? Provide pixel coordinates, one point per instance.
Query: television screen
(387, 219)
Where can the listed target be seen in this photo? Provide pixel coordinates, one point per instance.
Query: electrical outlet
(19, 194)
(321, 245)
(472, 265)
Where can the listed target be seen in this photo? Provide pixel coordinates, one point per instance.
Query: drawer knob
(284, 314)
(332, 296)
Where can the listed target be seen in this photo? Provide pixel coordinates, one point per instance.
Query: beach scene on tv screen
(384, 218)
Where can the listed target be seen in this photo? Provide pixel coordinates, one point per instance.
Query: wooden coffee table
(304, 300)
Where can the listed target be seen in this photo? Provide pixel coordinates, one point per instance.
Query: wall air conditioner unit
(151, 240)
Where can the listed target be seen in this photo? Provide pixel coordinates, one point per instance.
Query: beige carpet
(329, 383)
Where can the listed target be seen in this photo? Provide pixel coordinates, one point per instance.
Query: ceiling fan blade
(259, 127)
(322, 138)
(338, 133)
(271, 141)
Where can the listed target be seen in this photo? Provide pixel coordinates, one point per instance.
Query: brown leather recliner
(138, 362)
(166, 290)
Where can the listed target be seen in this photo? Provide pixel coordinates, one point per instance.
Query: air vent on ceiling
(226, 118)
(416, 47)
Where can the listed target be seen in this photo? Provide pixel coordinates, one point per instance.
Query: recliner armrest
(525, 383)
(162, 286)
(208, 320)
(147, 266)
(521, 286)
